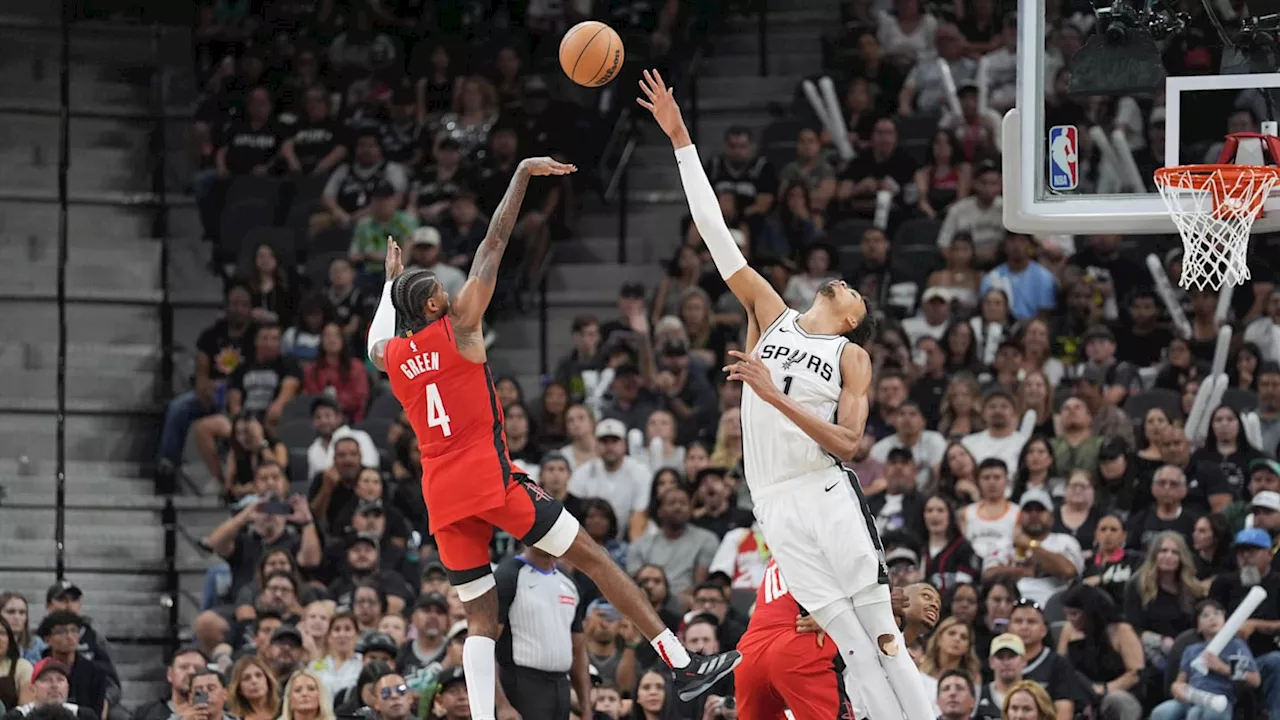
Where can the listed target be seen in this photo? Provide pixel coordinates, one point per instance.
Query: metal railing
(64, 162)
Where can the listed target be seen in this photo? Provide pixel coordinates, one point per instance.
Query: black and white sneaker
(702, 672)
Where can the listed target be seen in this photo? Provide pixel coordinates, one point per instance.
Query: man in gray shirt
(683, 550)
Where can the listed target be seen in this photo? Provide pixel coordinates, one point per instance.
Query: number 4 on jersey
(436, 416)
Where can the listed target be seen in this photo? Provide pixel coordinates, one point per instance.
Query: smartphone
(200, 698)
(276, 506)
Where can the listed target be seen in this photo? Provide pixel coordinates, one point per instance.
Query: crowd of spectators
(1025, 457)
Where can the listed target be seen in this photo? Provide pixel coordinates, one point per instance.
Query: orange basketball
(591, 53)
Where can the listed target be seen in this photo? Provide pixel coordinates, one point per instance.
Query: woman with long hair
(276, 560)
(1111, 566)
(961, 347)
(521, 445)
(696, 459)
(661, 449)
(273, 295)
(996, 600)
(14, 609)
(340, 667)
(663, 480)
(1105, 649)
(960, 601)
(951, 648)
(601, 524)
(683, 272)
(817, 269)
(580, 425)
(1035, 471)
(301, 341)
(960, 278)
(727, 452)
(316, 617)
(706, 338)
(552, 430)
(944, 179)
(1242, 369)
(435, 83)
(654, 697)
(950, 559)
(1160, 602)
(336, 370)
(1180, 366)
(1228, 449)
(1210, 548)
(253, 693)
(958, 415)
(15, 671)
(251, 445)
(472, 117)
(1037, 348)
(994, 316)
(1078, 515)
(1156, 424)
(306, 698)
(1034, 393)
(1028, 700)
(958, 476)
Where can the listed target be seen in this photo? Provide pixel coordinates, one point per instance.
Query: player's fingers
(646, 105)
(648, 85)
(658, 76)
(648, 91)
(738, 354)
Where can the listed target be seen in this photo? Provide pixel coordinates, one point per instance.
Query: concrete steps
(90, 437)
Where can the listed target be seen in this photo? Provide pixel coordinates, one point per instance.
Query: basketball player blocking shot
(439, 372)
(804, 409)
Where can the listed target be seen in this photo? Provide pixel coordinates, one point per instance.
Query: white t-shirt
(982, 446)
(917, 327)
(927, 451)
(625, 489)
(1040, 589)
(1265, 333)
(320, 456)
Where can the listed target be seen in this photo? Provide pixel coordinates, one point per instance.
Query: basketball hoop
(1213, 207)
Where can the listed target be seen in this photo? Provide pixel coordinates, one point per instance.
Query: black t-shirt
(1142, 349)
(1145, 524)
(1114, 577)
(1055, 674)
(400, 141)
(81, 712)
(259, 382)
(1126, 275)
(341, 496)
(1228, 590)
(391, 584)
(248, 552)
(88, 684)
(759, 177)
(1233, 467)
(312, 142)
(1203, 481)
(988, 707)
(1164, 615)
(226, 353)
(345, 305)
(430, 187)
(492, 185)
(333, 563)
(897, 166)
(248, 147)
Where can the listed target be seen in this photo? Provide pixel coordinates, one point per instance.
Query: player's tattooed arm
(473, 300)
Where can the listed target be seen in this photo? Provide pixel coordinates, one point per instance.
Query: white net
(1214, 208)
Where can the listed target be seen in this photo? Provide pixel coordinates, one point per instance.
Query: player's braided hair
(409, 294)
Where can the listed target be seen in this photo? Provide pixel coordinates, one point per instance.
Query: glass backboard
(1083, 163)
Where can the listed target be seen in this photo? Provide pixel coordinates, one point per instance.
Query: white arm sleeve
(705, 209)
(383, 326)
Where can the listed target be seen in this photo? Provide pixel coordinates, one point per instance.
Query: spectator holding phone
(207, 697)
(268, 524)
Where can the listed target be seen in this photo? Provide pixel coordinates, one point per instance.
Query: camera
(1122, 57)
(200, 697)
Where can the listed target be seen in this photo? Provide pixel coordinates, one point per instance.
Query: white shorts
(823, 538)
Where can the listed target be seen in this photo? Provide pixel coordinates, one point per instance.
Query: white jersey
(807, 368)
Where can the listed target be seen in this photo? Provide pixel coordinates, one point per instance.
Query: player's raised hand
(752, 371)
(539, 166)
(393, 263)
(661, 101)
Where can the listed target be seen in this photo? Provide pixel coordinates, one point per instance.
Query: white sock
(477, 664)
(670, 649)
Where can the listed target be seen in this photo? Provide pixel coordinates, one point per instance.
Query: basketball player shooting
(801, 371)
(440, 374)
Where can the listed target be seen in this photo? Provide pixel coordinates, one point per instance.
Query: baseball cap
(426, 235)
(1252, 537)
(62, 588)
(602, 606)
(609, 427)
(49, 665)
(901, 554)
(934, 293)
(899, 454)
(449, 676)
(1266, 499)
(432, 599)
(1098, 332)
(1036, 496)
(364, 537)
(456, 629)
(432, 568)
(380, 642)
(286, 633)
(373, 505)
(1265, 464)
(1007, 641)
(1092, 374)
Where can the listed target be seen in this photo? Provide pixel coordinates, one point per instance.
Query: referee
(540, 644)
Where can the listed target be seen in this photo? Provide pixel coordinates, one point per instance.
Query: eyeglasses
(397, 690)
(66, 630)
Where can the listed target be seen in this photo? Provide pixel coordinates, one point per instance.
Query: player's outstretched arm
(752, 290)
(840, 438)
(383, 326)
(474, 297)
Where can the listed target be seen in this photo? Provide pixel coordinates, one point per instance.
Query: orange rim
(1204, 177)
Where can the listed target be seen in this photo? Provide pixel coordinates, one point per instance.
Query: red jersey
(453, 409)
(775, 613)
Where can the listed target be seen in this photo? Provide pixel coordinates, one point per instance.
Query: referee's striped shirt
(541, 611)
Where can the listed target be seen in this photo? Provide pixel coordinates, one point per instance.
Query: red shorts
(791, 673)
(527, 514)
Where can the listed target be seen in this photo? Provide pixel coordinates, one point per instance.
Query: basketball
(591, 53)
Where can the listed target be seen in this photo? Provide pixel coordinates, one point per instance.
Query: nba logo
(1063, 167)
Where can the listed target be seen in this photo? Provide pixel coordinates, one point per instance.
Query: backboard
(1219, 76)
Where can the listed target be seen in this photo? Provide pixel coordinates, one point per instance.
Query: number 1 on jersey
(436, 416)
(786, 384)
